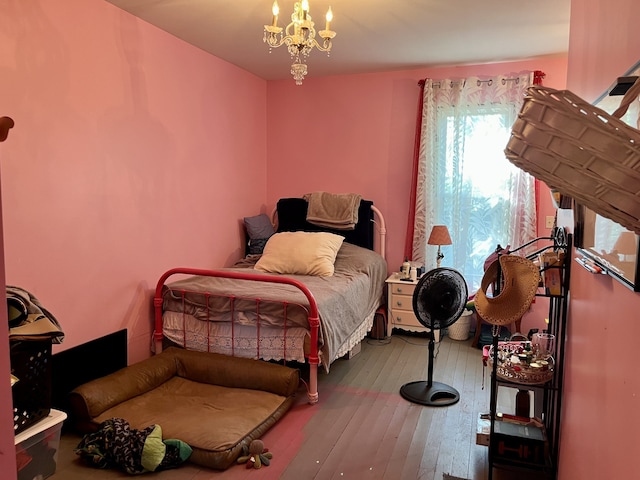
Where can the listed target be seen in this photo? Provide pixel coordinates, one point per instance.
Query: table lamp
(626, 246)
(439, 236)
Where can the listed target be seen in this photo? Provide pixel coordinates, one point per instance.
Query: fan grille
(440, 298)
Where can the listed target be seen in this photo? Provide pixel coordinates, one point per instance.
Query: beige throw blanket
(339, 211)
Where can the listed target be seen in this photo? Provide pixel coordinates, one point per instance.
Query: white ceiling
(372, 35)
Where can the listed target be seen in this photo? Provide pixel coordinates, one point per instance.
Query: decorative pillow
(259, 229)
(302, 253)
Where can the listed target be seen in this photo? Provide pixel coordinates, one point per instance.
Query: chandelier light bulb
(328, 17)
(275, 10)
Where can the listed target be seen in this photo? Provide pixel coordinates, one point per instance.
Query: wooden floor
(362, 428)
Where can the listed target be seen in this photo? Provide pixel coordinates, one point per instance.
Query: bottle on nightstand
(406, 267)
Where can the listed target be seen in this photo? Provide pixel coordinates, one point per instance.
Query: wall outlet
(549, 221)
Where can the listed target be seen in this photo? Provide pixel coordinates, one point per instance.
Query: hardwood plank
(409, 466)
(464, 439)
(351, 453)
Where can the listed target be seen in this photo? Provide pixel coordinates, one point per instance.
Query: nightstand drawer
(402, 289)
(402, 302)
(405, 317)
(400, 306)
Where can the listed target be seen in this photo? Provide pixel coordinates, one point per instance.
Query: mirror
(605, 243)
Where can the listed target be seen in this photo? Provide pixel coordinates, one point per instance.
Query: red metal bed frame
(312, 309)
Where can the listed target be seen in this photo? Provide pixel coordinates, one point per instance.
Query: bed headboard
(292, 217)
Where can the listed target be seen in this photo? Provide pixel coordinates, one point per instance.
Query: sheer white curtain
(464, 180)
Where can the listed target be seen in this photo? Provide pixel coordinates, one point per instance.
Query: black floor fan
(438, 301)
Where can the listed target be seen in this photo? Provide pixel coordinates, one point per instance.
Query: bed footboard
(313, 317)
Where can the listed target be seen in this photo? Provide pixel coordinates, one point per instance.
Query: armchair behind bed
(292, 217)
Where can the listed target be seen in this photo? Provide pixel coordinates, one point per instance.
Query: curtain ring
(505, 80)
(490, 82)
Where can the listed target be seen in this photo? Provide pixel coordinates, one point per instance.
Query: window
(464, 179)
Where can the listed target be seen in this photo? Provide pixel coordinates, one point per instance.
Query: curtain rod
(489, 82)
(537, 78)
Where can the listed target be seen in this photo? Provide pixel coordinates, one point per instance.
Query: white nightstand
(400, 306)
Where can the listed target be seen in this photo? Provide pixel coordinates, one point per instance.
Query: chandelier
(299, 36)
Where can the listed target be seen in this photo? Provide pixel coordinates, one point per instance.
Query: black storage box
(520, 443)
(31, 365)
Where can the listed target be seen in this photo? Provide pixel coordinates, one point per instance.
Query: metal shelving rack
(550, 406)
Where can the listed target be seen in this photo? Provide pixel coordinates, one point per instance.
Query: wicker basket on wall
(581, 150)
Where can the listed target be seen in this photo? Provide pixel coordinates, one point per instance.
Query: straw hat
(520, 279)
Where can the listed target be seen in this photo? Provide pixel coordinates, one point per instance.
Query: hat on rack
(519, 282)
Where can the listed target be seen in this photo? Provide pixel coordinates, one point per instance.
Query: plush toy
(256, 455)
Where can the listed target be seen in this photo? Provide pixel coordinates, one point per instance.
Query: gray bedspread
(344, 300)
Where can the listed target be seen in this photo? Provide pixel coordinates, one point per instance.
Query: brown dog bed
(215, 403)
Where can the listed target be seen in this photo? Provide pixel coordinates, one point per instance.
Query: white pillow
(301, 253)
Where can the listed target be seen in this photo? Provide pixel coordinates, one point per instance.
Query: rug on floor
(446, 476)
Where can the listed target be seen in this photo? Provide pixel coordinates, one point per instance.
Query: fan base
(436, 395)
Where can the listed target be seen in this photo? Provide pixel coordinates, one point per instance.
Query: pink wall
(601, 417)
(356, 134)
(130, 155)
